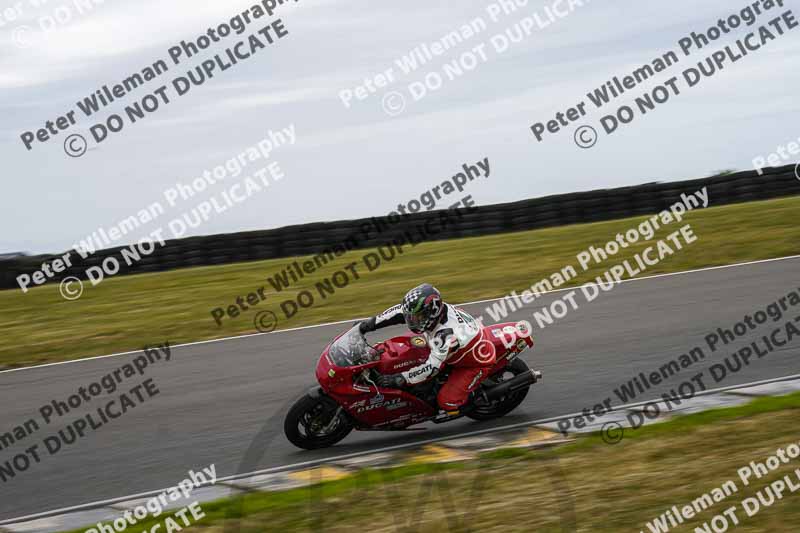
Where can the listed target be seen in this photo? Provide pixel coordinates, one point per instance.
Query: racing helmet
(422, 308)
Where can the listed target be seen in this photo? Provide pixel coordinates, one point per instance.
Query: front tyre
(314, 423)
(505, 404)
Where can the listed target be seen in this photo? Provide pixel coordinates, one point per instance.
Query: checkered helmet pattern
(422, 308)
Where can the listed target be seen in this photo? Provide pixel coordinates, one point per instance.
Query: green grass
(125, 313)
(601, 487)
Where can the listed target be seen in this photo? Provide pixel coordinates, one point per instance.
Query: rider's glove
(391, 381)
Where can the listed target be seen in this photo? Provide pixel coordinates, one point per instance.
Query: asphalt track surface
(216, 398)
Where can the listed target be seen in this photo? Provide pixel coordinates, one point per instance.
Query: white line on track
(656, 276)
(315, 462)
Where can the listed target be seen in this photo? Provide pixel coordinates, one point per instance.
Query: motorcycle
(348, 398)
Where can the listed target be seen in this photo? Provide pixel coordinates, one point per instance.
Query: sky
(363, 161)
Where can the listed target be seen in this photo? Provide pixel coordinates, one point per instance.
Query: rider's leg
(461, 382)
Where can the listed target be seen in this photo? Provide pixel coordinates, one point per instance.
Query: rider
(455, 338)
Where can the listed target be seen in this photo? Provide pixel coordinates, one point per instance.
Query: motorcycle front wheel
(314, 423)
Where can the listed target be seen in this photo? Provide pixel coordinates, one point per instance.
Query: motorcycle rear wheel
(505, 404)
(314, 423)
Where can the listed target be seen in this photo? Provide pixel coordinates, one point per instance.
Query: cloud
(336, 44)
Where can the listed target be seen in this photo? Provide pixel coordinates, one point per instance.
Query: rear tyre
(314, 423)
(505, 404)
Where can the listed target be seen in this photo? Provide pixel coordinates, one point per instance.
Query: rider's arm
(442, 345)
(391, 317)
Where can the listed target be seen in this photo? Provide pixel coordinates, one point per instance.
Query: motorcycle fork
(330, 425)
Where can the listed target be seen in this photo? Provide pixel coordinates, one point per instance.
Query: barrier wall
(315, 238)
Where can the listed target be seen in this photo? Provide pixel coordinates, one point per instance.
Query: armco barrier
(314, 238)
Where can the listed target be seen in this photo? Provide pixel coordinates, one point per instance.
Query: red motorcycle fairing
(387, 409)
(509, 340)
(372, 407)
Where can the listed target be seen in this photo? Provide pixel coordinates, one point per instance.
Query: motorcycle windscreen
(351, 349)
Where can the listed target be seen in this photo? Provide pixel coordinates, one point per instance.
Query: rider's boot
(476, 399)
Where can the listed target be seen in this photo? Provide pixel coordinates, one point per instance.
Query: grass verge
(126, 313)
(586, 486)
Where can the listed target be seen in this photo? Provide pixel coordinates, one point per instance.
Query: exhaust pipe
(512, 385)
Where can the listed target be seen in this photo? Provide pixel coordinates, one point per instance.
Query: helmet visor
(415, 321)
